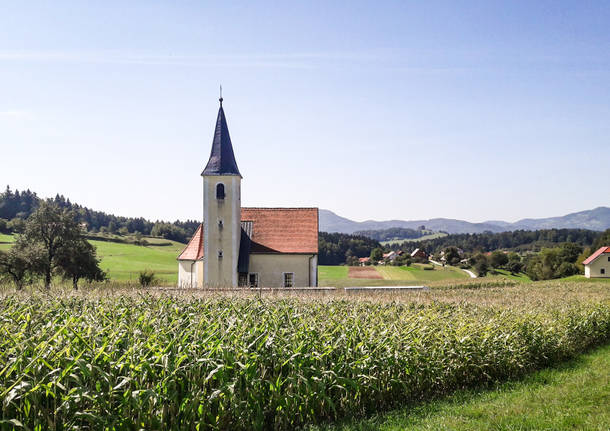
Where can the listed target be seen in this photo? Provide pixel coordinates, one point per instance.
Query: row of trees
(17, 206)
(550, 263)
(556, 262)
(52, 244)
(519, 240)
(392, 233)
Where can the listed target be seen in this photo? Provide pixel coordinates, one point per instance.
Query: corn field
(141, 361)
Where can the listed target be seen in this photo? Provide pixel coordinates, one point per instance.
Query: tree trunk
(75, 283)
(47, 279)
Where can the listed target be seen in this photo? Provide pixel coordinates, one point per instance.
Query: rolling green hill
(123, 262)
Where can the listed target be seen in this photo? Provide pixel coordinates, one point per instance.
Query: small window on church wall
(288, 279)
(602, 271)
(220, 191)
(220, 224)
(219, 254)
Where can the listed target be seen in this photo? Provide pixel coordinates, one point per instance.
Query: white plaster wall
(595, 266)
(186, 277)
(271, 269)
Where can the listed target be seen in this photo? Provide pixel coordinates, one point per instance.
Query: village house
(419, 253)
(363, 261)
(255, 247)
(598, 264)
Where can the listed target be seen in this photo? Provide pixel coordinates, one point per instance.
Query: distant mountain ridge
(595, 219)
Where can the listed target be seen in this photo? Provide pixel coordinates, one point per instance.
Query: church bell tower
(221, 210)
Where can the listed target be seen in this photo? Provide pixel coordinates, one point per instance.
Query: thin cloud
(303, 60)
(16, 113)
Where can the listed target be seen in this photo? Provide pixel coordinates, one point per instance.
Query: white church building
(250, 247)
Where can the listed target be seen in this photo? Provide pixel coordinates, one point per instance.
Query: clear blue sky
(472, 110)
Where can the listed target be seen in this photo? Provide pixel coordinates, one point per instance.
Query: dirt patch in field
(363, 272)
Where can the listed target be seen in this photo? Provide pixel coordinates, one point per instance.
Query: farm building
(255, 247)
(390, 257)
(418, 252)
(598, 264)
(363, 261)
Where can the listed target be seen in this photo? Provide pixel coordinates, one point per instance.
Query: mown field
(136, 359)
(421, 238)
(123, 262)
(338, 276)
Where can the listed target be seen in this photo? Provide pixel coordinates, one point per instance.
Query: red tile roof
(194, 249)
(283, 230)
(602, 250)
(274, 230)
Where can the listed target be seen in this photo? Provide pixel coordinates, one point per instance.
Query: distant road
(467, 271)
(470, 273)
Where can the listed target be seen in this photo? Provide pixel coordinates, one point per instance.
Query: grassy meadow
(338, 276)
(123, 262)
(422, 238)
(573, 395)
(5, 241)
(113, 358)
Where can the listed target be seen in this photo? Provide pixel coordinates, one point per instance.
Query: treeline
(519, 240)
(392, 233)
(338, 248)
(16, 207)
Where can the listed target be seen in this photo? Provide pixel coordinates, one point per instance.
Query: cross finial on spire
(220, 100)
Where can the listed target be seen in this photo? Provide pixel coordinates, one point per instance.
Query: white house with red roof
(598, 264)
(255, 247)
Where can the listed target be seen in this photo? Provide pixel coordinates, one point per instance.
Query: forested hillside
(16, 206)
(337, 248)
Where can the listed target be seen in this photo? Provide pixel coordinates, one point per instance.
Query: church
(246, 247)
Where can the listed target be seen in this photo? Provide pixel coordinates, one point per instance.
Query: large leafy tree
(77, 260)
(57, 233)
(20, 262)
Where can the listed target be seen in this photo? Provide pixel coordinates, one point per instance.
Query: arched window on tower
(220, 191)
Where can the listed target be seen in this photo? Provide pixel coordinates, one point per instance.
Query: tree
(498, 259)
(352, 261)
(376, 254)
(16, 225)
(169, 231)
(480, 264)
(19, 262)
(581, 258)
(112, 227)
(52, 229)
(514, 265)
(602, 240)
(78, 260)
(555, 262)
(452, 255)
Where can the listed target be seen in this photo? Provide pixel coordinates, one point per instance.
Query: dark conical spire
(222, 160)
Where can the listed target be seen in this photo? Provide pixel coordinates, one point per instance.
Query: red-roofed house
(235, 246)
(598, 264)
